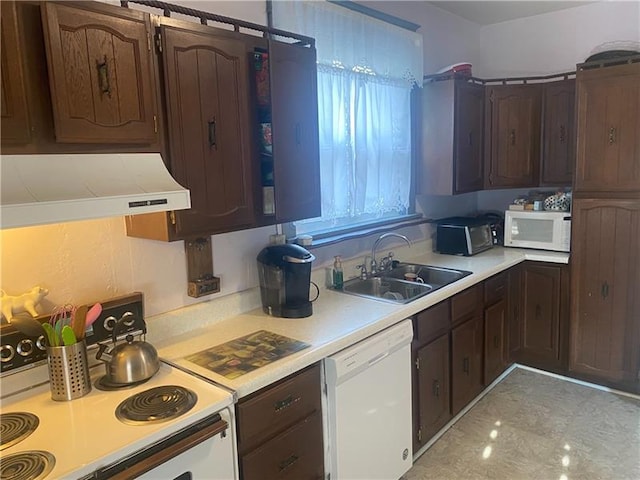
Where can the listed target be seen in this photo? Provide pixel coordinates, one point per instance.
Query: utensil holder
(69, 371)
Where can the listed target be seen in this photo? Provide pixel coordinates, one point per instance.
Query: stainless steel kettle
(131, 362)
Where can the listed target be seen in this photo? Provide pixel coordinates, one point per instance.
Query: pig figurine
(22, 303)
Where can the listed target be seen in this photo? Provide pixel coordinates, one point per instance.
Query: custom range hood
(41, 189)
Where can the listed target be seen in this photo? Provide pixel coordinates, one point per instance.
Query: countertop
(339, 320)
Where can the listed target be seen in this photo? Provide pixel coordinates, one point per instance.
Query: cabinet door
(468, 137)
(513, 136)
(494, 337)
(294, 117)
(558, 134)
(100, 73)
(13, 99)
(608, 149)
(432, 390)
(540, 315)
(514, 312)
(605, 314)
(206, 86)
(466, 363)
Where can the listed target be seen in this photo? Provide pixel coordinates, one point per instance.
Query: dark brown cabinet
(512, 140)
(431, 375)
(605, 319)
(608, 128)
(495, 313)
(452, 137)
(280, 430)
(100, 73)
(16, 126)
(294, 124)
(539, 334)
(209, 124)
(558, 133)
(466, 363)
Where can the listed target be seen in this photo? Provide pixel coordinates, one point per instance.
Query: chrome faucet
(374, 265)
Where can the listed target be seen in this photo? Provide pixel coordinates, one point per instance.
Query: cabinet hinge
(159, 42)
(418, 363)
(155, 124)
(172, 217)
(419, 434)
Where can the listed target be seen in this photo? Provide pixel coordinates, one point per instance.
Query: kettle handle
(121, 321)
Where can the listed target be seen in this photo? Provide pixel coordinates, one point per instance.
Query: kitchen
(92, 260)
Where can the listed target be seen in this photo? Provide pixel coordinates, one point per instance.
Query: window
(367, 69)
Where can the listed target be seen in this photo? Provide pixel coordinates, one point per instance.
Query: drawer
(295, 454)
(495, 288)
(466, 304)
(271, 411)
(432, 322)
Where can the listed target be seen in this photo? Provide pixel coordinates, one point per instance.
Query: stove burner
(156, 405)
(15, 427)
(104, 384)
(29, 465)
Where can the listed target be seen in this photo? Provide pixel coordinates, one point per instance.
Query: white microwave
(543, 230)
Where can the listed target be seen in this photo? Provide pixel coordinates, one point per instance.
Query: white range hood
(41, 189)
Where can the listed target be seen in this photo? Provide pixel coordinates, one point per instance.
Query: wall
(448, 39)
(555, 42)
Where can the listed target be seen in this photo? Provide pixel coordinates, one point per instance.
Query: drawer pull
(283, 465)
(285, 403)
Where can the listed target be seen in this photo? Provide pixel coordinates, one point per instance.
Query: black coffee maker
(285, 278)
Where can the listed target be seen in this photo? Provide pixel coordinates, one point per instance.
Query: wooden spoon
(78, 321)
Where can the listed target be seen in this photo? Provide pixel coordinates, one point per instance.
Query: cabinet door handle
(512, 136)
(285, 403)
(435, 388)
(212, 133)
(605, 290)
(283, 465)
(470, 139)
(465, 365)
(562, 134)
(103, 77)
(538, 310)
(496, 341)
(612, 135)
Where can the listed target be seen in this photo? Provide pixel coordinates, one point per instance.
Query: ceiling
(489, 12)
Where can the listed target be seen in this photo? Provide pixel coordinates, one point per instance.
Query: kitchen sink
(437, 277)
(391, 285)
(389, 289)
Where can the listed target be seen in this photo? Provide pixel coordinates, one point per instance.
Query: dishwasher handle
(378, 358)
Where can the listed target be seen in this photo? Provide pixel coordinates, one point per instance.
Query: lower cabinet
(280, 430)
(540, 330)
(434, 393)
(466, 363)
(494, 325)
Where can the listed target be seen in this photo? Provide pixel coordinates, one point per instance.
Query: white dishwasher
(369, 407)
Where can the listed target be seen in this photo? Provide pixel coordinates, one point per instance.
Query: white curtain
(366, 70)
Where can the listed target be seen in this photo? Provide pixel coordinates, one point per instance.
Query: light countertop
(339, 320)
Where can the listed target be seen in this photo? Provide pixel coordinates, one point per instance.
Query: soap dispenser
(338, 276)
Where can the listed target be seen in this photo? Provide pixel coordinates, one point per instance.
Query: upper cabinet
(291, 120)
(206, 86)
(512, 141)
(16, 127)
(558, 133)
(452, 132)
(608, 122)
(100, 73)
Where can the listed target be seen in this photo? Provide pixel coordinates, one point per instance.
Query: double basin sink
(392, 286)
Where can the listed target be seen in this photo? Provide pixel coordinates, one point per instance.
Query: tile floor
(534, 426)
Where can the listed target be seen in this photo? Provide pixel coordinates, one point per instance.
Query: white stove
(84, 438)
